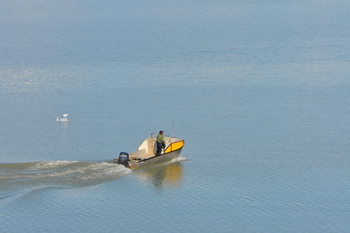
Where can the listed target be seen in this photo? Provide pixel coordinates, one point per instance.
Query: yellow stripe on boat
(174, 146)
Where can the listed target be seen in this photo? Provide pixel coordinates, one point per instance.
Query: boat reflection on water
(164, 176)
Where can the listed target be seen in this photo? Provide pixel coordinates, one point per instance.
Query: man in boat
(160, 143)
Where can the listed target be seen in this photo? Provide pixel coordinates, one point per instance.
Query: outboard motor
(123, 159)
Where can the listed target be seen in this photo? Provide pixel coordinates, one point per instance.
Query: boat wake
(26, 177)
(179, 158)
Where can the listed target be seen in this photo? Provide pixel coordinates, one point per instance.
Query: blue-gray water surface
(259, 91)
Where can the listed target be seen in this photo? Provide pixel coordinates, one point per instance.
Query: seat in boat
(141, 154)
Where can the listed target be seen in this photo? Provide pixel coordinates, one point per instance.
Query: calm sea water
(259, 91)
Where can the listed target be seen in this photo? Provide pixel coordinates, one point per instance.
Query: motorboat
(146, 152)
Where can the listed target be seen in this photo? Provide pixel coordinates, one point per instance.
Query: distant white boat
(62, 119)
